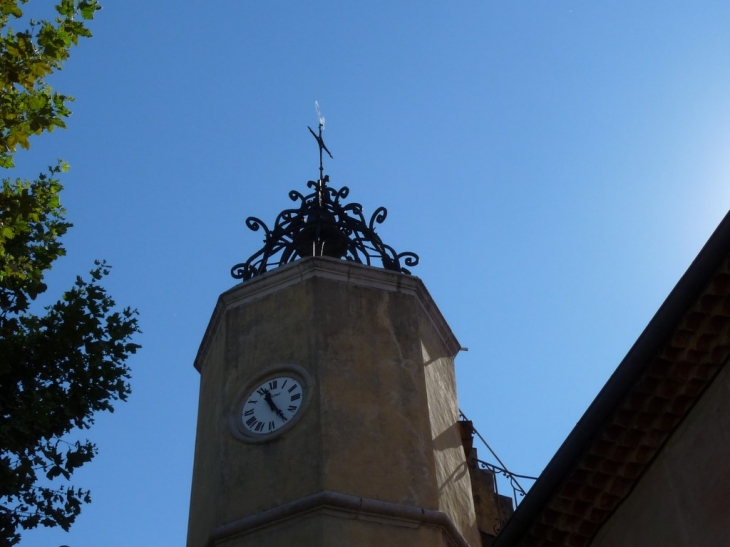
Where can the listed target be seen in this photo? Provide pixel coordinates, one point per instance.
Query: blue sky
(557, 165)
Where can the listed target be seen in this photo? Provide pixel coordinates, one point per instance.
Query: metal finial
(320, 142)
(322, 225)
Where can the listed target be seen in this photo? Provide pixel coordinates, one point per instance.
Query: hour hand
(272, 406)
(269, 400)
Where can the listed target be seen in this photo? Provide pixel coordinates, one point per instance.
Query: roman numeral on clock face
(296, 396)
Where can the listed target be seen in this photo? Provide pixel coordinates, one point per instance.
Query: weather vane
(320, 142)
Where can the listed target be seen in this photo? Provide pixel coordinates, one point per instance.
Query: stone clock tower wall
(376, 457)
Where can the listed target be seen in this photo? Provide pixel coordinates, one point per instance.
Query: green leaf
(37, 101)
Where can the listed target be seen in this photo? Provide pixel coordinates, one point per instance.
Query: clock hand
(280, 414)
(269, 400)
(272, 405)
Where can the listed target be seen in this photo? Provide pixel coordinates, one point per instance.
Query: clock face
(271, 405)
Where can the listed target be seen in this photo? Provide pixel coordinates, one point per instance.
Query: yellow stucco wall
(380, 424)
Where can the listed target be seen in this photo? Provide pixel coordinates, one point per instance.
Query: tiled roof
(642, 404)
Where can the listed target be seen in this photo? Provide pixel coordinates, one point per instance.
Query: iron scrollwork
(322, 225)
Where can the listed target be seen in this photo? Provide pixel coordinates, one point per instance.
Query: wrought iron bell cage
(322, 224)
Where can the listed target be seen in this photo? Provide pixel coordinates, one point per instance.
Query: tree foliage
(61, 366)
(28, 105)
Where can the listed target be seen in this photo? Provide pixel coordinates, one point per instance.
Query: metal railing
(518, 492)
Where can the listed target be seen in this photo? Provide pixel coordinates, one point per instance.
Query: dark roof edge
(661, 326)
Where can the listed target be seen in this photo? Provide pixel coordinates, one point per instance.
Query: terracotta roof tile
(608, 501)
(633, 470)
(609, 466)
(599, 480)
(683, 370)
(625, 417)
(681, 338)
(654, 438)
(551, 516)
(579, 476)
(719, 353)
(667, 423)
(720, 323)
(644, 455)
(621, 453)
(576, 540)
(612, 432)
(694, 320)
(693, 388)
(656, 404)
(598, 515)
(588, 528)
(620, 486)
(720, 283)
(682, 404)
(645, 420)
(709, 302)
(632, 437)
(601, 446)
(648, 385)
(556, 537)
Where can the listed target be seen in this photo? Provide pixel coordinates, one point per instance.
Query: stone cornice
(346, 506)
(327, 268)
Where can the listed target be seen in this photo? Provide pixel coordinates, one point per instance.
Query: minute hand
(272, 405)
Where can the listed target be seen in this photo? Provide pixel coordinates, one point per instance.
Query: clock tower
(328, 413)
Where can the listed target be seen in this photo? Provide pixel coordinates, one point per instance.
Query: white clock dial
(271, 405)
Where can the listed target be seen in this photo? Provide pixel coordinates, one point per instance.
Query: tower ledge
(352, 507)
(333, 269)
